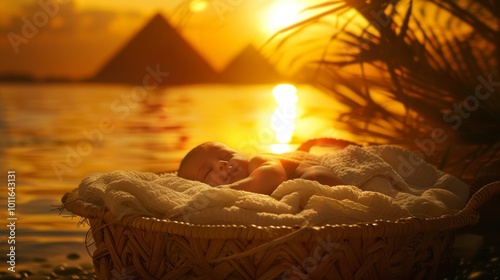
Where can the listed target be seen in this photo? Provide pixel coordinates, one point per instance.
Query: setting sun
(282, 14)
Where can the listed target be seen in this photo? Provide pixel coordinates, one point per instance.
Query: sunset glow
(197, 5)
(282, 14)
(280, 148)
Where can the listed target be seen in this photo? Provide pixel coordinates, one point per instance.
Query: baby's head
(215, 164)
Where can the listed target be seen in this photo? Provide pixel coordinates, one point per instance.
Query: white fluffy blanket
(380, 182)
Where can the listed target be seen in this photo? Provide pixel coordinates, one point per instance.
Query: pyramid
(161, 48)
(250, 67)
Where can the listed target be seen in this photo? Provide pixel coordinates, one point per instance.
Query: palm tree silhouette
(439, 60)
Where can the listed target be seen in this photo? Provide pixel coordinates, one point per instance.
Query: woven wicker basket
(146, 248)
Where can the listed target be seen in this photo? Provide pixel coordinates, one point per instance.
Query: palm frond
(428, 68)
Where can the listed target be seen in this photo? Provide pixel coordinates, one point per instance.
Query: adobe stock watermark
(380, 20)
(31, 27)
(454, 117)
(222, 7)
(309, 265)
(121, 107)
(196, 206)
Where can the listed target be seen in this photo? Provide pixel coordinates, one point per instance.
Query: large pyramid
(161, 48)
(250, 67)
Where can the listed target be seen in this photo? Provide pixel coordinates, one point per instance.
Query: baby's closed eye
(226, 156)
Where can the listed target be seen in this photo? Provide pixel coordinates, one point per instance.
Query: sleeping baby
(216, 164)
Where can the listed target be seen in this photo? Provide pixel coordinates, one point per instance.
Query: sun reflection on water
(284, 116)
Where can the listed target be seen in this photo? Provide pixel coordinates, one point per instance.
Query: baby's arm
(265, 176)
(321, 174)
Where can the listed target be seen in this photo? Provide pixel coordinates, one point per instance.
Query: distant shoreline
(26, 78)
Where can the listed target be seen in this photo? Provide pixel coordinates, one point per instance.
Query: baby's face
(217, 164)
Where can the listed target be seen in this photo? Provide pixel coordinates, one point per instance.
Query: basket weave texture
(146, 248)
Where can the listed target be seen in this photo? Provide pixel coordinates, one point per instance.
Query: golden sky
(74, 38)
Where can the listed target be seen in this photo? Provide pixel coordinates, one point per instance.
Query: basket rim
(380, 228)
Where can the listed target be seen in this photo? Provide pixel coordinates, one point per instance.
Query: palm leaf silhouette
(432, 70)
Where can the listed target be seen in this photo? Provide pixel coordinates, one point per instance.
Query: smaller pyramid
(157, 48)
(250, 67)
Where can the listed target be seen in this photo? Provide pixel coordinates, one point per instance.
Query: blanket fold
(379, 182)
